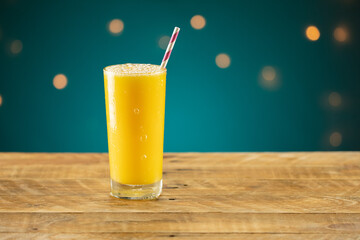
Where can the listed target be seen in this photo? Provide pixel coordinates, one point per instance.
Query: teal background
(207, 108)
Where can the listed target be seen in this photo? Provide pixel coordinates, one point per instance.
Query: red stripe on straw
(167, 55)
(173, 37)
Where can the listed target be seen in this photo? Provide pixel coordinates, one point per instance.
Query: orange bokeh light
(16, 47)
(222, 60)
(268, 73)
(312, 33)
(116, 26)
(335, 139)
(340, 34)
(335, 99)
(60, 81)
(198, 22)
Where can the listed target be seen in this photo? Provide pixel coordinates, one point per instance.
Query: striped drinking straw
(170, 47)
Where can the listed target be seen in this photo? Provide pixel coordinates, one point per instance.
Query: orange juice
(135, 109)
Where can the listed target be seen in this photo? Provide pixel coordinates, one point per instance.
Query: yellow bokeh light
(268, 73)
(335, 139)
(1, 100)
(164, 41)
(312, 33)
(116, 26)
(335, 99)
(222, 60)
(60, 81)
(198, 22)
(340, 34)
(16, 47)
(269, 78)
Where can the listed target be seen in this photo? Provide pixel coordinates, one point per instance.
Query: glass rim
(119, 73)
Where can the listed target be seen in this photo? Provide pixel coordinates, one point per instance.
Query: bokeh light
(222, 60)
(116, 26)
(198, 22)
(335, 139)
(1, 100)
(340, 34)
(335, 99)
(269, 78)
(163, 42)
(268, 73)
(60, 81)
(312, 33)
(16, 47)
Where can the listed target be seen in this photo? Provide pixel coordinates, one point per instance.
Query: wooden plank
(179, 222)
(52, 158)
(181, 160)
(174, 236)
(319, 159)
(239, 203)
(208, 165)
(74, 171)
(102, 171)
(339, 172)
(189, 187)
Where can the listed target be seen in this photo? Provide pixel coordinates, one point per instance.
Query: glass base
(136, 192)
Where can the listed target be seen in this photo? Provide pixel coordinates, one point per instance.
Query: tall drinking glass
(135, 110)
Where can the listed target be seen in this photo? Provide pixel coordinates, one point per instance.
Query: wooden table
(205, 196)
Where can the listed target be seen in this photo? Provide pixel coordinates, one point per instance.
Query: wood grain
(205, 196)
(197, 159)
(186, 187)
(174, 236)
(168, 204)
(101, 171)
(179, 222)
(190, 165)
